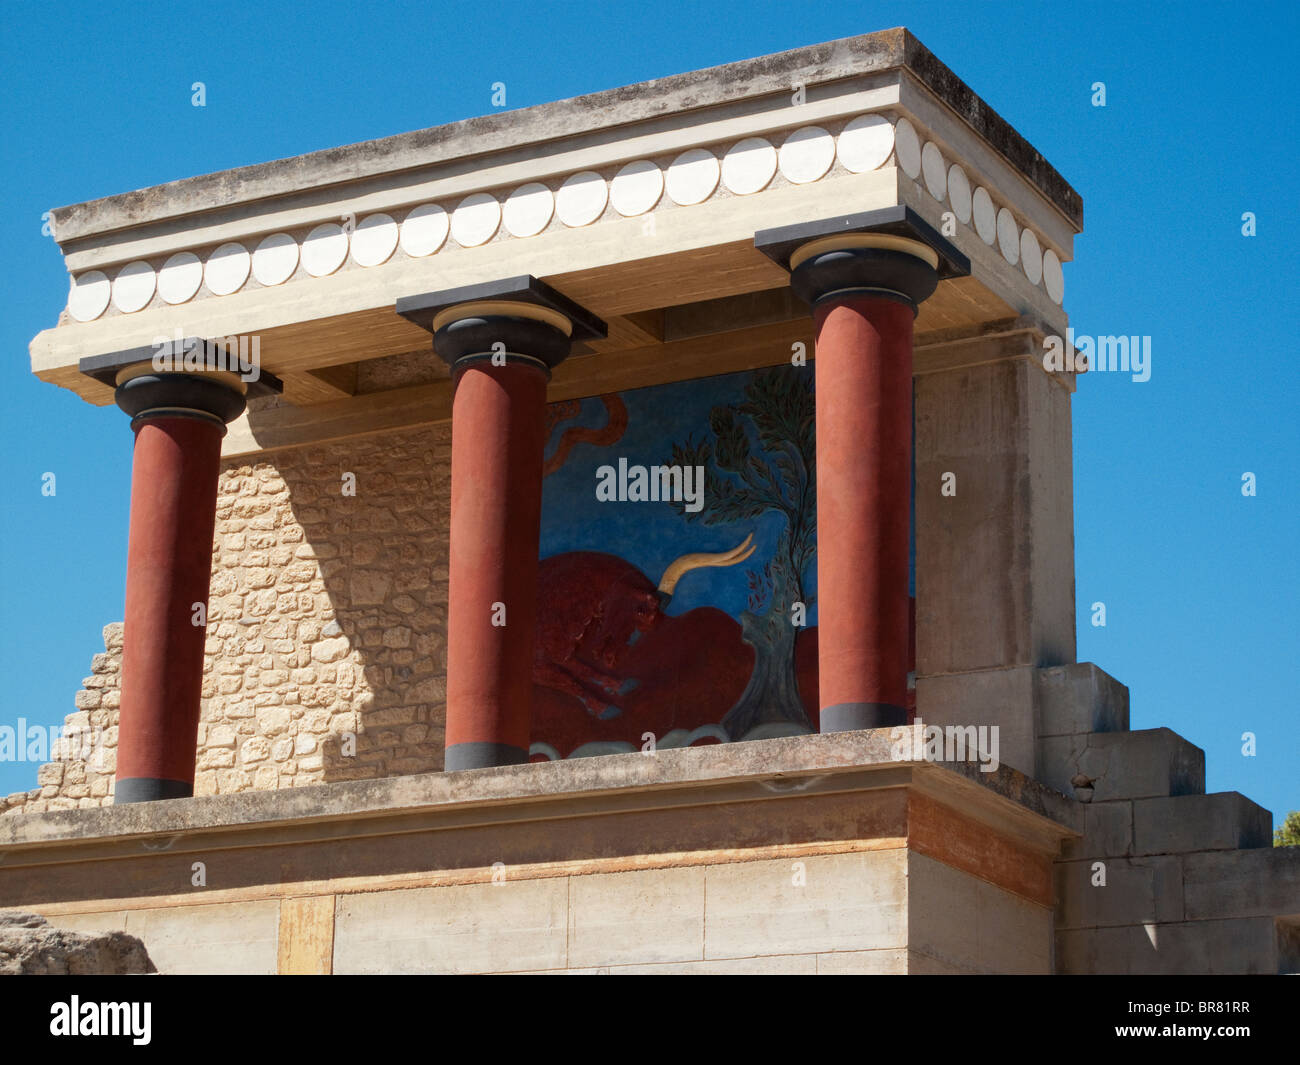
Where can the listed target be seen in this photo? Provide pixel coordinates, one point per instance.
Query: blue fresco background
(652, 534)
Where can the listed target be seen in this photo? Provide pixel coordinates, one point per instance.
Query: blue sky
(1199, 582)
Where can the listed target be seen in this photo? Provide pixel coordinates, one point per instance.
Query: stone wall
(326, 647)
(70, 781)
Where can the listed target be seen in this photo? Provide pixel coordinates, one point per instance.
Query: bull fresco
(677, 581)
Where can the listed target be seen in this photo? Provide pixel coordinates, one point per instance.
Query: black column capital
(518, 319)
(892, 253)
(181, 395)
(185, 377)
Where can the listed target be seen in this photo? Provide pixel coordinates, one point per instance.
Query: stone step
(1151, 763)
(1182, 824)
(1079, 698)
(1250, 945)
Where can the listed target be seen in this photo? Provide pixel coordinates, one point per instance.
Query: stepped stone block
(1240, 946)
(1001, 697)
(1080, 698)
(1151, 763)
(1107, 832)
(1183, 823)
(1135, 891)
(1244, 883)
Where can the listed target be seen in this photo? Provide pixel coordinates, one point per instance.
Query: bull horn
(697, 559)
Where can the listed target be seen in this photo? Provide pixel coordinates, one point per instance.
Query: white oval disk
(749, 166)
(581, 199)
(89, 295)
(528, 209)
(935, 170)
(806, 155)
(475, 220)
(275, 259)
(907, 146)
(424, 230)
(986, 219)
(180, 277)
(134, 286)
(374, 240)
(865, 143)
(636, 188)
(227, 269)
(693, 176)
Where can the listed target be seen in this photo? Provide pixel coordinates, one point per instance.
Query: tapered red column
(179, 420)
(864, 454)
(864, 288)
(500, 341)
(497, 437)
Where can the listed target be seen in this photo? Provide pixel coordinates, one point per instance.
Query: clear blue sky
(1200, 583)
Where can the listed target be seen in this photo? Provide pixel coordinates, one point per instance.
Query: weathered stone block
(232, 937)
(514, 926)
(1080, 698)
(642, 916)
(1001, 697)
(853, 901)
(1136, 890)
(961, 920)
(1244, 883)
(1151, 763)
(1222, 821)
(1246, 945)
(1108, 831)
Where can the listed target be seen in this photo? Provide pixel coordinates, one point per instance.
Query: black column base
(480, 754)
(150, 789)
(850, 717)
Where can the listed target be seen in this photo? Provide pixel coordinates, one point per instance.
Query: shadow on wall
(326, 651)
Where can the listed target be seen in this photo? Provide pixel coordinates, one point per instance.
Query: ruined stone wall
(326, 646)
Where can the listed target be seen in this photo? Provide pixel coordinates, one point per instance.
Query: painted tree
(760, 456)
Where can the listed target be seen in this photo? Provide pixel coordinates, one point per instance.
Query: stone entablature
(640, 188)
(624, 201)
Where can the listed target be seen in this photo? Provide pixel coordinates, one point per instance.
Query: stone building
(374, 611)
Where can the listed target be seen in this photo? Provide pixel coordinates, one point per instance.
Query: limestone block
(893, 962)
(768, 965)
(1107, 833)
(514, 926)
(1001, 697)
(1288, 947)
(1222, 821)
(923, 965)
(330, 650)
(642, 916)
(1244, 945)
(1080, 698)
(225, 938)
(1136, 890)
(983, 599)
(961, 920)
(220, 736)
(1243, 883)
(853, 901)
(1150, 763)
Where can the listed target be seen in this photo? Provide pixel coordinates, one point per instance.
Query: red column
(501, 340)
(498, 436)
(169, 559)
(864, 445)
